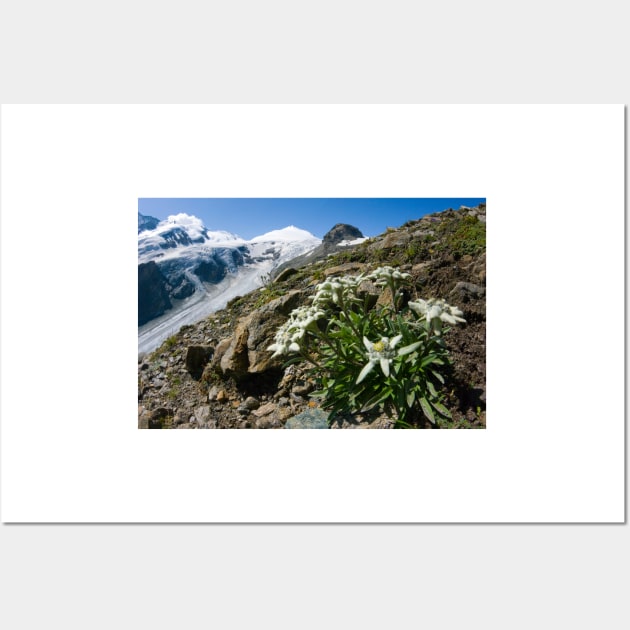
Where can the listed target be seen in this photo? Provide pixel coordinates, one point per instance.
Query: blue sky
(252, 217)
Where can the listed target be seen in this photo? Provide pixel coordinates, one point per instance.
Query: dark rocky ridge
(330, 245)
(235, 384)
(153, 293)
(341, 232)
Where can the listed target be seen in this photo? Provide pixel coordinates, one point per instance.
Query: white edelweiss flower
(310, 317)
(381, 275)
(383, 352)
(452, 315)
(293, 330)
(297, 335)
(322, 298)
(437, 311)
(329, 290)
(388, 277)
(283, 346)
(302, 318)
(418, 306)
(434, 311)
(277, 349)
(352, 282)
(400, 275)
(336, 290)
(285, 341)
(324, 286)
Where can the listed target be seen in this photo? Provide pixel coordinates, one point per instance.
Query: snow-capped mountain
(177, 232)
(186, 272)
(146, 223)
(281, 246)
(288, 235)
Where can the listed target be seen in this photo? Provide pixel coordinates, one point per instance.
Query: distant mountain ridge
(146, 223)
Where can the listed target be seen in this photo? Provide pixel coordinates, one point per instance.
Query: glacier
(213, 266)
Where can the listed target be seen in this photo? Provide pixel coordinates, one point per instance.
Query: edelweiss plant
(364, 357)
(435, 312)
(383, 352)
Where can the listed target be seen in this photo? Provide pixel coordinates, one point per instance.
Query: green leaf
(400, 399)
(442, 410)
(438, 376)
(426, 408)
(410, 348)
(431, 389)
(379, 398)
(411, 398)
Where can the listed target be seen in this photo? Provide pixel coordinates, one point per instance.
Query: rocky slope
(218, 373)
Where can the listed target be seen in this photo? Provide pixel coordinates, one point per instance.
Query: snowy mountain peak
(193, 226)
(196, 230)
(290, 233)
(178, 231)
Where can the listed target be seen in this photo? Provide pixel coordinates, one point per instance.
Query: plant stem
(346, 312)
(310, 359)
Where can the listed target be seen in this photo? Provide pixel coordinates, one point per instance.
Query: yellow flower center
(379, 346)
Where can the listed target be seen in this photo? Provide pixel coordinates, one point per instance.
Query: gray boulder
(309, 419)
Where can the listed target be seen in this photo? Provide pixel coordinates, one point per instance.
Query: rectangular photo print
(349, 313)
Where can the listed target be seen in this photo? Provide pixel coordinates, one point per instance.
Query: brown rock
(464, 290)
(398, 238)
(246, 351)
(342, 270)
(235, 361)
(286, 274)
(285, 413)
(251, 403)
(159, 418)
(202, 413)
(265, 410)
(220, 350)
(302, 390)
(268, 422)
(420, 268)
(197, 357)
(264, 423)
(143, 418)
